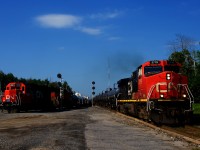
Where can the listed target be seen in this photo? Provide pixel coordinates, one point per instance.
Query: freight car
(82, 101)
(156, 91)
(19, 96)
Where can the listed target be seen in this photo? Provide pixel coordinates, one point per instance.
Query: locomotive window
(172, 68)
(150, 70)
(17, 86)
(12, 87)
(139, 71)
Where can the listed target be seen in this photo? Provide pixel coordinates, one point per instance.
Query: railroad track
(192, 132)
(188, 133)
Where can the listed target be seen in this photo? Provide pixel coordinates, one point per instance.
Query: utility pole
(108, 72)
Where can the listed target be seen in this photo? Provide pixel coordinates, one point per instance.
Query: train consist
(156, 91)
(20, 97)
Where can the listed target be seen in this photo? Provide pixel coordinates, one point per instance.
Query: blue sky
(90, 40)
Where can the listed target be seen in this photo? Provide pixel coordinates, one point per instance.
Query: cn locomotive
(156, 91)
(20, 97)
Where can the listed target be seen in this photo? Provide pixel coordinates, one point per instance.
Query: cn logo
(10, 97)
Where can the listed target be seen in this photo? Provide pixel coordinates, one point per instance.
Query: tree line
(7, 78)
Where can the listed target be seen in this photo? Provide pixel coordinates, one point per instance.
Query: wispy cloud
(66, 21)
(114, 38)
(195, 12)
(183, 4)
(91, 31)
(58, 20)
(106, 15)
(61, 48)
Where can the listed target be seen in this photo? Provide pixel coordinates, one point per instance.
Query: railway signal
(59, 75)
(93, 88)
(61, 89)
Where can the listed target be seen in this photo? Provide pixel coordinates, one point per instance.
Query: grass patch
(196, 108)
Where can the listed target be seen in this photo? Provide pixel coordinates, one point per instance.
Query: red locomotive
(156, 91)
(19, 96)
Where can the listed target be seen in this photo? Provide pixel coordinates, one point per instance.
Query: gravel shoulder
(91, 128)
(111, 131)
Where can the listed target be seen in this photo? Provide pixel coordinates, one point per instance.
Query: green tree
(185, 51)
(182, 48)
(6, 78)
(11, 78)
(2, 76)
(67, 87)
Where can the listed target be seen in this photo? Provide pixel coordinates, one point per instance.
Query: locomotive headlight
(184, 95)
(161, 95)
(168, 76)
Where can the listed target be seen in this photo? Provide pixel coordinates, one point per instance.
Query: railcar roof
(123, 81)
(161, 62)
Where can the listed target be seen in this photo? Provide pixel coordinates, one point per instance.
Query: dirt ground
(43, 131)
(82, 129)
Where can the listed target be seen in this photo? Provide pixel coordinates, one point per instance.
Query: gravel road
(91, 128)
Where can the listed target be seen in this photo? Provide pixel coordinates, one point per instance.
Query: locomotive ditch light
(161, 96)
(168, 76)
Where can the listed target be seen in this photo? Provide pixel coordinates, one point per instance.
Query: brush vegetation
(196, 108)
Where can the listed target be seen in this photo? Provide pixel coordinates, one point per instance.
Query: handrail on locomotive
(189, 93)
